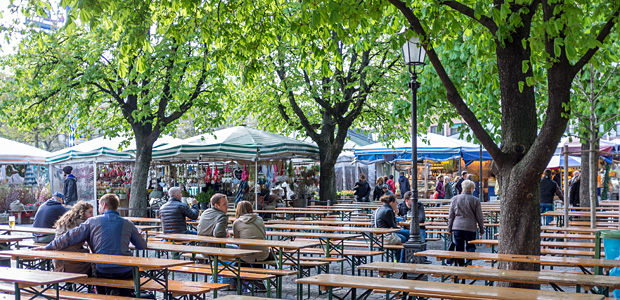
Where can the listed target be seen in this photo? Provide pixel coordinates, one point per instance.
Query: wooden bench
(327, 282)
(10, 289)
(175, 287)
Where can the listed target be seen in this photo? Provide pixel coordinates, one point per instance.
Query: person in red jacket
(391, 183)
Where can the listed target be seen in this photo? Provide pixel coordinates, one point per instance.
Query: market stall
(242, 157)
(102, 165)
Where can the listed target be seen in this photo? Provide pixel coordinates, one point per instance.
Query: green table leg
(215, 273)
(18, 294)
(136, 281)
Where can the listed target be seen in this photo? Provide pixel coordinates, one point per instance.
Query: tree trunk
(584, 190)
(593, 159)
(520, 218)
(327, 182)
(139, 177)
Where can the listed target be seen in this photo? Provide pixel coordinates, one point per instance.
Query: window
(455, 128)
(437, 129)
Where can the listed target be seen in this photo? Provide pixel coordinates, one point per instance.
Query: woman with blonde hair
(79, 213)
(249, 225)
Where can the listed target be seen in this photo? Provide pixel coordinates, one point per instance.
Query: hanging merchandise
(208, 175)
(244, 174)
(216, 175)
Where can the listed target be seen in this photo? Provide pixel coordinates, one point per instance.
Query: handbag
(389, 238)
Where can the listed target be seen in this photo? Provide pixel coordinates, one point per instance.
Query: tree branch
(453, 95)
(485, 21)
(605, 31)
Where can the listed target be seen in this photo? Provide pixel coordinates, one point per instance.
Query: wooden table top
(491, 242)
(557, 261)
(223, 252)
(317, 209)
(571, 229)
(576, 236)
(332, 228)
(599, 214)
(316, 235)
(153, 220)
(533, 277)
(299, 212)
(36, 277)
(28, 229)
(13, 238)
(142, 262)
(439, 289)
(242, 297)
(148, 227)
(321, 222)
(246, 242)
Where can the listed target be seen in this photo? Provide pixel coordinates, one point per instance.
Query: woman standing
(439, 188)
(79, 213)
(249, 225)
(465, 214)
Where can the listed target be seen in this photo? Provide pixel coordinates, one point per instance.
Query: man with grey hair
(174, 212)
(465, 214)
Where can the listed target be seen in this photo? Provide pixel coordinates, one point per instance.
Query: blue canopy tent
(471, 154)
(431, 147)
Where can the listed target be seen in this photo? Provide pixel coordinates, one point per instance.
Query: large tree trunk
(139, 177)
(592, 180)
(327, 182)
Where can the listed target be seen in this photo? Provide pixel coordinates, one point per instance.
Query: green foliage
(205, 197)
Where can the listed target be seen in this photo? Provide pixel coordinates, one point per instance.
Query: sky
(11, 16)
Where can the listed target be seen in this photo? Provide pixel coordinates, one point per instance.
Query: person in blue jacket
(47, 215)
(107, 233)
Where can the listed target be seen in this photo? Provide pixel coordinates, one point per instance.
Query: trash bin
(611, 240)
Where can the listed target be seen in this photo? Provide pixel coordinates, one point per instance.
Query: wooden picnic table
(231, 263)
(434, 289)
(26, 281)
(277, 246)
(555, 279)
(570, 229)
(155, 269)
(552, 261)
(8, 241)
(27, 229)
(313, 214)
(154, 220)
(321, 222)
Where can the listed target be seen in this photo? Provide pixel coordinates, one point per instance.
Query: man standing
(362, 189)
(107, 233)
(573, 189)
(47, 215)
(213, 221)
(548, 188)
(403, 183)
(448, 189)
(70, 186)
(174, 212)
(458, 183)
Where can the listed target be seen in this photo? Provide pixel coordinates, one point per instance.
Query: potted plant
(204, 197)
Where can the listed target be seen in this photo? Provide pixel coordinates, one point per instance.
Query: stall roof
(102, 150)
(13, 152)
(431, 146)
(237, 143)
(557, 161)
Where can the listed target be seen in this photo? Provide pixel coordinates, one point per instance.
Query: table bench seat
(10, 289)
(245, 275)
(347, 252)
(175, 287)
(302, 263)
(438, 289)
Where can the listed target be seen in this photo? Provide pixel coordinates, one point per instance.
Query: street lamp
(413, 55)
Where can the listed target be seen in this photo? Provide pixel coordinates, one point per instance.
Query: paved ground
(289, 286)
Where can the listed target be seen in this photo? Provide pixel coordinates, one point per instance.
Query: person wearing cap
(70, 186)
(386, 190)
(47, 215)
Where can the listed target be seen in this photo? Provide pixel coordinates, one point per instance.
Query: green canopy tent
(237, 143)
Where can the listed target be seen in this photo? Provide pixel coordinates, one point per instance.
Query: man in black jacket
(362, 189)
(458, 183)
(174, 212)
(548, 188)
(70, 186)
(403, 183)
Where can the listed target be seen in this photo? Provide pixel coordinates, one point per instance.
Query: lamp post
(413, 55)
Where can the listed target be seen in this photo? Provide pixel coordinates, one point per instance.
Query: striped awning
(13, 152)
(237, 143)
